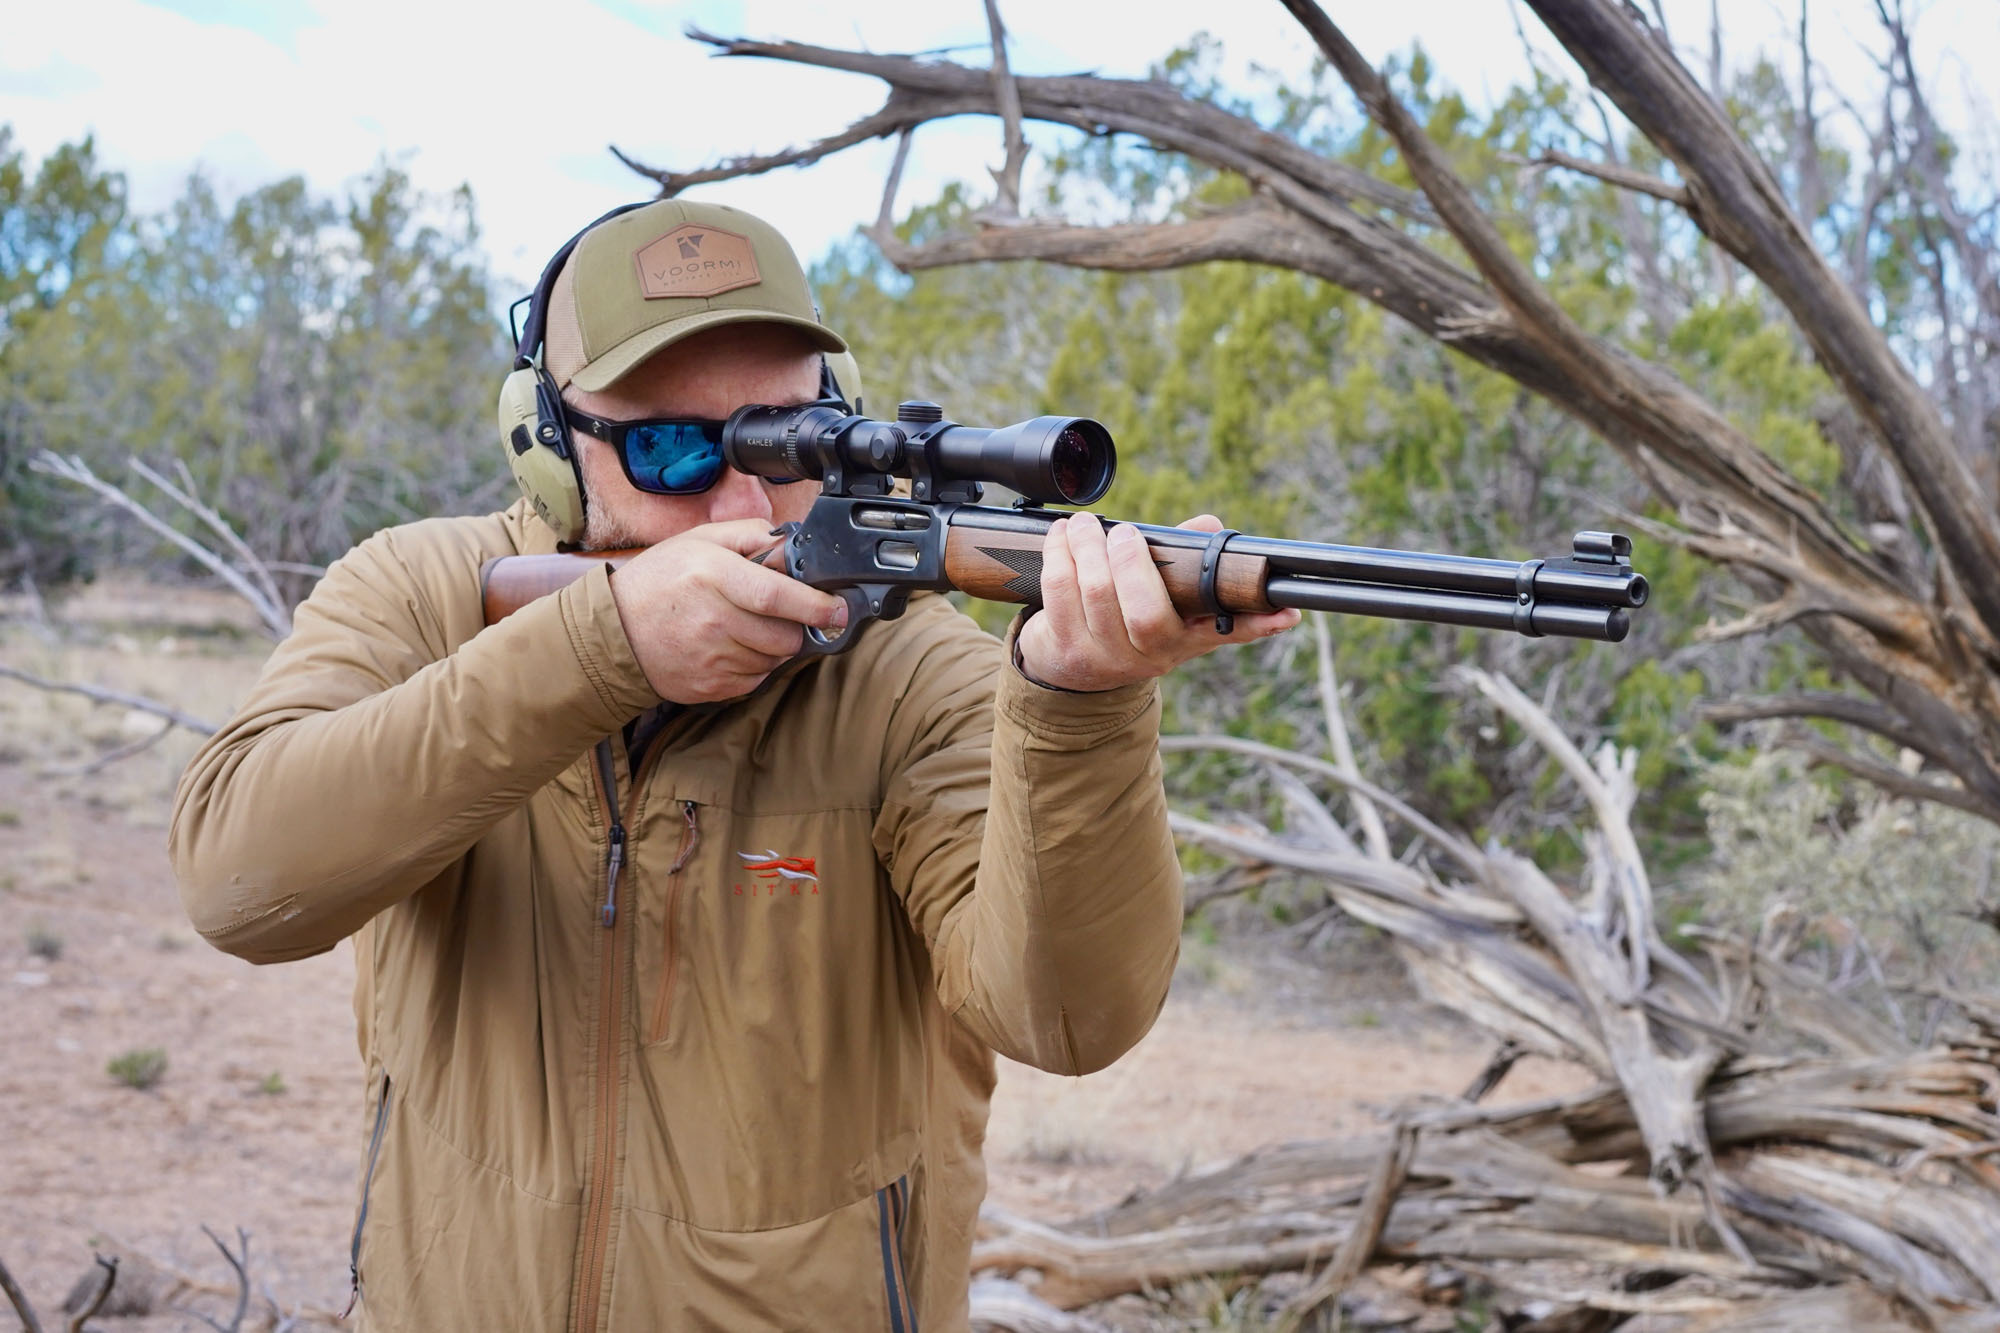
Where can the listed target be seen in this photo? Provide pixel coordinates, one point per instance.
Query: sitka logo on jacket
(775, 875)
(693, 260)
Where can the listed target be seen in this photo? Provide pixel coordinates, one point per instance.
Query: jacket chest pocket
(660, 945)
(778, 1010)
(733, 906)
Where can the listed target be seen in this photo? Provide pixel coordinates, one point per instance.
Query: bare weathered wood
(90, 1307)
(1001, 1306)
(242, 571)
(1007, 177)
(1371, 1216)
(1372, 831)
(105, 695)
(17, 1298)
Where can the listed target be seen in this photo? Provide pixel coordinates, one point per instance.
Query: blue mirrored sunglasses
(664, 455)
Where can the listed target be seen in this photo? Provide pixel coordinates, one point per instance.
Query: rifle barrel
(1566, 580)
(1564, 619)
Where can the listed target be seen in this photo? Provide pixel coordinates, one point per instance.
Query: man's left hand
(1106, 619)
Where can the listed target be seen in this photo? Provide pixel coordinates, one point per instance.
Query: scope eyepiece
(1049, 460)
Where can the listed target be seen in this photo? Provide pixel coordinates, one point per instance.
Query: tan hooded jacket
(711, 1048)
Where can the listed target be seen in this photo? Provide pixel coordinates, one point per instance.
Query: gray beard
(604, 532)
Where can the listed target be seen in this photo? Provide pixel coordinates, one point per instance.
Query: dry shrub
(1906, 875)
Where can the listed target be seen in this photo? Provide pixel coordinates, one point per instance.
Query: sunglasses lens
(674, 458)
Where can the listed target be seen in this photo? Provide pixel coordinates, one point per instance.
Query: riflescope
(1049, 460)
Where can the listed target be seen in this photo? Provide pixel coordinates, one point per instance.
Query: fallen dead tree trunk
(1760, 1153)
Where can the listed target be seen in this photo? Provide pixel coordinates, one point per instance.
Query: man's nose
(738, 495)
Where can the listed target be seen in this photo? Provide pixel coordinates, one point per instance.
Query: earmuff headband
(529, 344)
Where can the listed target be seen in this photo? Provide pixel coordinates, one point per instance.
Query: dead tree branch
(239, 1263)
(106, 1278)
(1456, 847)
(1749, 217)
(1384, 1183)
(244, 582)
(96, 1302)
(1625, 178)
(101, 694)
(1855, 711)
(1886, 776)
(1007, 177)
(17, 1298)
(1372, 831)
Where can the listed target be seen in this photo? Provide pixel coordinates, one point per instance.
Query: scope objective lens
(1076, 467)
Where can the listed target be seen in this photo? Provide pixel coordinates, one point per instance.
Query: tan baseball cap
(646, 279)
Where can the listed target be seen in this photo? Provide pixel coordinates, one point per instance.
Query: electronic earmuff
(534, 429)
(840, 380)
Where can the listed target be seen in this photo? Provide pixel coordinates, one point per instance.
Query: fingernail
(1125, 535)
(837, 618)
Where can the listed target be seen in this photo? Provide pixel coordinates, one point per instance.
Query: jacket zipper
(690, 835)
(611, 1011)
(367, 1183)
(610, 1006)
(892, 1207)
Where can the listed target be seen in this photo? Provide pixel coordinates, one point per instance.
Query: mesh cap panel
(562, 338)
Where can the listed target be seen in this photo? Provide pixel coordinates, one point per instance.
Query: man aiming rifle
(682, 959)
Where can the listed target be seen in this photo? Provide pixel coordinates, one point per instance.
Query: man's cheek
(790, 504)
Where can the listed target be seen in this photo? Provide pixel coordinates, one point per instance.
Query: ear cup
(538, 451)
(845, 373)
(532, 429)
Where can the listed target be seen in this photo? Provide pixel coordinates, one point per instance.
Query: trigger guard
(861, 608)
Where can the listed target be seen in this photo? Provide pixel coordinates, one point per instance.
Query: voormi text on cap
(693, 260)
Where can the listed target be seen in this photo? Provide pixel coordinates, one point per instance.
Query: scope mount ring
(928, 483)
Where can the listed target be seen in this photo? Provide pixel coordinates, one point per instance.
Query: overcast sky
(520, 98)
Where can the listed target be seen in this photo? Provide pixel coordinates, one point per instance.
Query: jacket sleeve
(1029, 842)
(372, 752)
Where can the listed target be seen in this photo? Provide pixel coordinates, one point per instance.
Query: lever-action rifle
(873, 548)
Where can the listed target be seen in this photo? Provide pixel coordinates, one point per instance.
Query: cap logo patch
(693, 260)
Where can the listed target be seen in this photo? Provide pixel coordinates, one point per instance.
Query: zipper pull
(617, 862)
(689, 836)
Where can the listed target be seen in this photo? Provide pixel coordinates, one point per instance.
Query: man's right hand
(706, 621)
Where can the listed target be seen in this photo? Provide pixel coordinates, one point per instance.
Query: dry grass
(184, 647)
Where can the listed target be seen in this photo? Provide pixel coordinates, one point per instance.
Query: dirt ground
(256, 1121)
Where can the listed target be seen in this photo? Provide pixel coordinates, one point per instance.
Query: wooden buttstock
(1007, 567)
(509, 582)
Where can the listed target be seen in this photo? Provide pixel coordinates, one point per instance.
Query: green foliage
(139, 1069)
(63, 233)
(1755, 370)
(322, 367)
(273, 1085)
